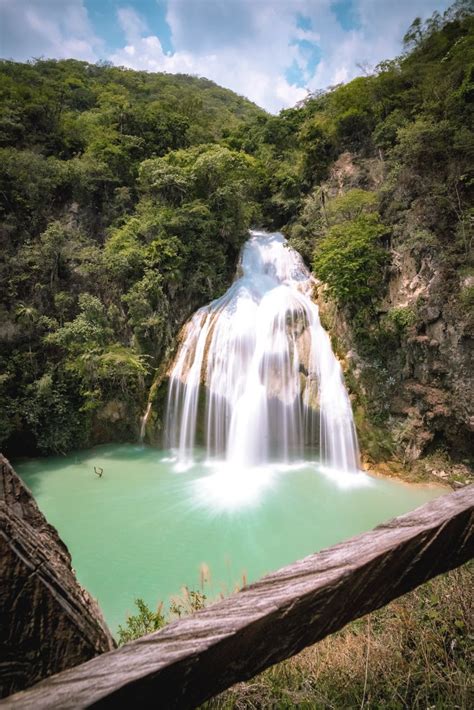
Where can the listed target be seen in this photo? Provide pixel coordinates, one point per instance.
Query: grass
(145, 620)
(414, 653)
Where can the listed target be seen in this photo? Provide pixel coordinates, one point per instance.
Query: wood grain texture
(195, 658)
(48, 622)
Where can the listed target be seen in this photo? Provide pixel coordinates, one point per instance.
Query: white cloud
(245, 45)
(131, 23)
(49, 28)
(242, 45)
(381, 26)
(237, 72)
(248, 45)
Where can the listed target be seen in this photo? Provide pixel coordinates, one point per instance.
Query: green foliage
(373, 435)
(408, 127)
(64, 428)
(400, 319)
(188, 602)
(88, 330)
(429, 87)
(419, 119)
(385, 133)
(68, 106)
(422, 144)
(351, 205)
(120, 215)
(125, 196)
(350, 260)
(144, 622)
(354, 128)
(318, 138)
(29, 184)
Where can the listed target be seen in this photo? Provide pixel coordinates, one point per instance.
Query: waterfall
(143, 422)
(255, 372)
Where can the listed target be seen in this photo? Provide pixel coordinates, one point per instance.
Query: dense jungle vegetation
(125, 197)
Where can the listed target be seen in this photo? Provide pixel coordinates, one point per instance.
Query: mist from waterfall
(255, 378)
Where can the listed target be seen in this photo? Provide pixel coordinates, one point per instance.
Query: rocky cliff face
(48, 622)
(436, 395)
(418, 385)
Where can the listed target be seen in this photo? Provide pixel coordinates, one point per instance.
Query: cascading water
(256, 370)
(143, 422)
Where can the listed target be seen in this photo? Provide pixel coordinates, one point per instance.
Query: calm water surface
(145, 529)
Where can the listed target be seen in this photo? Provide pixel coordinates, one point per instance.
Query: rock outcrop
(48, 622)
(419, 383)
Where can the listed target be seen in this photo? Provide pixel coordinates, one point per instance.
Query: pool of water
(146, 528)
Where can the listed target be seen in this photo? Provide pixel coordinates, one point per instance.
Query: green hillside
(100, 233)
(125, 197)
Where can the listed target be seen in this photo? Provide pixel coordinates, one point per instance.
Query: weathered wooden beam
(195, 658)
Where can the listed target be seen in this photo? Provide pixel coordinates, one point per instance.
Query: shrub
(399, 319)
(385, 134)
(145, 622)
(354, 128)
(350, 259)
(351, 205)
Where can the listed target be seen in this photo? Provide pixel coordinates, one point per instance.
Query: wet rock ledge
(48, 622)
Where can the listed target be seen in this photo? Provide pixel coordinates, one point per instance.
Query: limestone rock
(421, 386)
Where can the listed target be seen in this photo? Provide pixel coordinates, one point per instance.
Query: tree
(350, 259)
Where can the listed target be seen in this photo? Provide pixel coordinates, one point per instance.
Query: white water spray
(256, 371)
(143, 422)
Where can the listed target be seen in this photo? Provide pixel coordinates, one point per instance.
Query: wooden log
(197, 657)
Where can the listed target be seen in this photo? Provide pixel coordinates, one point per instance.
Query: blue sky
(272, 51)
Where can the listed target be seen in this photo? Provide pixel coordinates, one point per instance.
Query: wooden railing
(195, 658)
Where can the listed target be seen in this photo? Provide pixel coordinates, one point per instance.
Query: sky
(271, 51)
